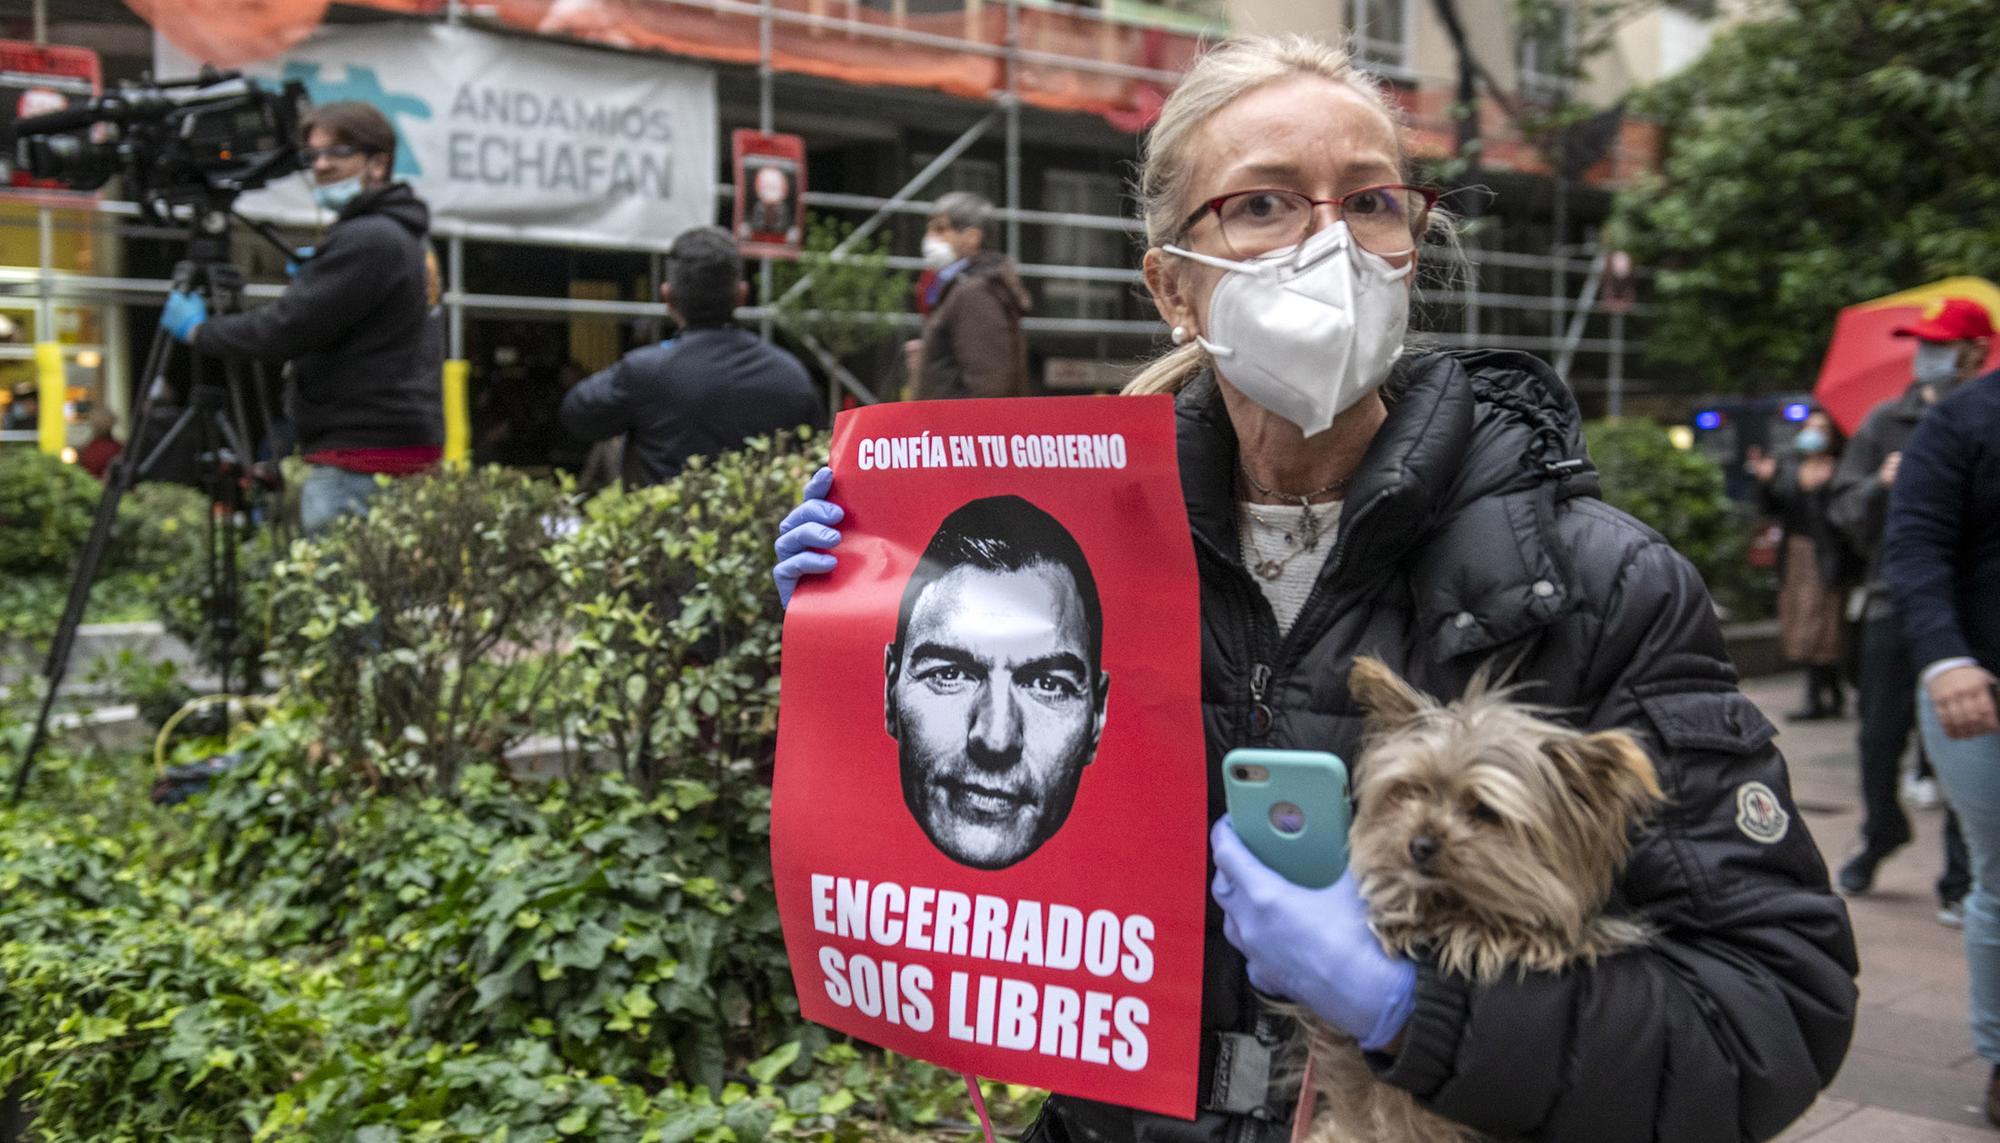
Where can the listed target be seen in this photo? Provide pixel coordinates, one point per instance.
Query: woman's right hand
(803, 536)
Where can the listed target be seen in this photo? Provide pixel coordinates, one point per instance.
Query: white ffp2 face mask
(938, 253)
(1309, 330)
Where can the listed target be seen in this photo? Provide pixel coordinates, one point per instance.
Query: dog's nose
(1423, 847)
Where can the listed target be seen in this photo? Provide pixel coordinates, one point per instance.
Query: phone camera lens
(1288, 819)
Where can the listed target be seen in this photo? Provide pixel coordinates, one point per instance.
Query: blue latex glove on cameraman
(185, 310)
(1312, 946)
(806, 528)
(299, 258)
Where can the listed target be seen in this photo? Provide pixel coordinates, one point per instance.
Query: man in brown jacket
(972, 344)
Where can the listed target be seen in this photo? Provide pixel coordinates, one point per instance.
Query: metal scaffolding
(1567, 322)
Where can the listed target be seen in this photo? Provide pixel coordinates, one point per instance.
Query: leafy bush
(426, 629)
(45, 512)
(358, 935)
(1680, 494)
(853, 302)
(676, 643)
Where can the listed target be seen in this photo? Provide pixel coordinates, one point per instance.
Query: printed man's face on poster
(772, 186)
(993, 690)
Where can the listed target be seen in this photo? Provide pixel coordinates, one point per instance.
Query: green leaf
(766, 1069)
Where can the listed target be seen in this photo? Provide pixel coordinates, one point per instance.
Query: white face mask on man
(938, 253)
(1309, 330)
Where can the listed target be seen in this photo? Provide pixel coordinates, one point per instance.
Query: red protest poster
(770, 193)
(989, 811)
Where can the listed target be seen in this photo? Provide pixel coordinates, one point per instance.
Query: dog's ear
(1388, 701)
(1607, 769)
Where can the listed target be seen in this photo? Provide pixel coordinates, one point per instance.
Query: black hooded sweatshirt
(357, 326)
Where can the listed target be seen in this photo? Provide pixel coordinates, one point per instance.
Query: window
(1083, 192)
(1548, 48)
(1382, 35)
(980, 176)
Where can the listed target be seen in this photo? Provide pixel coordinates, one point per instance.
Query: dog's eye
(1485, 813)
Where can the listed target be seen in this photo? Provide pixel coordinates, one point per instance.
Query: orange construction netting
(234, 32)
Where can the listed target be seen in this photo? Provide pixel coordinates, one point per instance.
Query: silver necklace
(1267, 567)
(1308, 523)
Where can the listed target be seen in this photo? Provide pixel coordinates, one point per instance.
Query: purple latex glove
(1312, 946)
(807, 527)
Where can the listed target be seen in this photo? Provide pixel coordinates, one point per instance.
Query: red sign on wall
(36, 79)
(770, 178)
(988, 817)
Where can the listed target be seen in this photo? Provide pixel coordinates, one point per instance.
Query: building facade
(1038, 106)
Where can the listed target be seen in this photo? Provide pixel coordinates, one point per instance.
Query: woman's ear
(1165, 282)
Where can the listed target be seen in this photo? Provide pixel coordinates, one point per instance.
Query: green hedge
(1681, 494)
(369, 930)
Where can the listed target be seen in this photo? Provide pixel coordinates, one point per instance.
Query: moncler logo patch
(1759, 814)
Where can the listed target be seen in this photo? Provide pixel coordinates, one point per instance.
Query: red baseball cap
(1953, 319)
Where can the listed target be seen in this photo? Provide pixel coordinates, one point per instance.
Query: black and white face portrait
(993, 690)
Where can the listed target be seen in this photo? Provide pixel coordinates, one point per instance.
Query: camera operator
(355, 323)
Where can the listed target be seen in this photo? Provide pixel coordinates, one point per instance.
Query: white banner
(510, 138)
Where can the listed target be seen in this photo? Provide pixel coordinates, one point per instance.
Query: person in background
(96, 455)
(707, 389)
(1951, 345)
(972, 344)
(24, 411)
(1814, 568)
(356, 324)
(1941, 557)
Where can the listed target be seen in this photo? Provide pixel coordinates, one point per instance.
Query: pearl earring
(1180, 335)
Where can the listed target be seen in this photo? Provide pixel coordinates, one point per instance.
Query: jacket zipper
(1260, 713)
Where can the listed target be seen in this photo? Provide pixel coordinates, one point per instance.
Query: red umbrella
(1867, 364)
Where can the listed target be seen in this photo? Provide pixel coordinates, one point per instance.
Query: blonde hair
(1228, 71)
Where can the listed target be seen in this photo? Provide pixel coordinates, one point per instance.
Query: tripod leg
(118, 480)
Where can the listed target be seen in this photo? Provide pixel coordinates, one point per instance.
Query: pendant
(1308, 526)
(1270, 569)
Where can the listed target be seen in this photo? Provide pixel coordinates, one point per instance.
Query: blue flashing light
(1707, 420)
(1797, 411)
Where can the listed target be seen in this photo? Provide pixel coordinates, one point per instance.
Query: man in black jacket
(356, 323)
(705, 391)
(1941, 554)
(1951, 344)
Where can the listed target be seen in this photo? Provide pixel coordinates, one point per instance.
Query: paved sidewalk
(1911, 1076)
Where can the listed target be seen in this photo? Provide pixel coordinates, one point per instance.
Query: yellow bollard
(457, 413)
(50, 393)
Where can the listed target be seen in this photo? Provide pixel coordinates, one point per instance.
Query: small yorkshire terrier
(1489, 838)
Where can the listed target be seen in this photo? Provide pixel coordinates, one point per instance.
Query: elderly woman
(1439, 511)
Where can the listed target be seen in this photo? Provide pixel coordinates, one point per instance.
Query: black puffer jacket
(1473, 534)
(357, 326)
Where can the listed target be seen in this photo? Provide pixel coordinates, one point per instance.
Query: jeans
(330, 493)
(1969, 769)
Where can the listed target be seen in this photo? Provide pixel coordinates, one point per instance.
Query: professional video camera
(179, 142)
(198, 144)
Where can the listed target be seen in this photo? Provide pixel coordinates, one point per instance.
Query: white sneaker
(1920, 793)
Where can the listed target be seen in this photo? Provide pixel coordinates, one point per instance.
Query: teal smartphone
(1290, 808)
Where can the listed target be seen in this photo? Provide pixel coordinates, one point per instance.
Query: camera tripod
(215, 431)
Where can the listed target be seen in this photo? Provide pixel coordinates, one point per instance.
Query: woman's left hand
(1312, 945)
